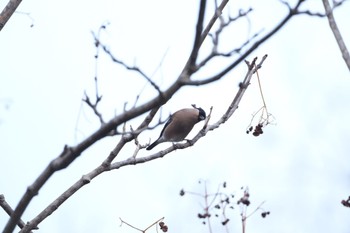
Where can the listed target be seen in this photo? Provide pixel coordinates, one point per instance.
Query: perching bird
(179, 125)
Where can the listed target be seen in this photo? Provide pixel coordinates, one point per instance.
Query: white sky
(299, 166)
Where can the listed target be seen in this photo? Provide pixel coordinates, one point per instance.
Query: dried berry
(182, 192)
(264, 214)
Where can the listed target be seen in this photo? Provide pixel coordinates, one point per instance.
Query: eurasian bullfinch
(179, 125)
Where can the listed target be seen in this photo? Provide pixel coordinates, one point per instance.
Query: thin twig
(207, 206)
(132, 68)
(123, 222)
(143, 231)
(162, 218)
(93, 106)
(257, 208)
(260, 88)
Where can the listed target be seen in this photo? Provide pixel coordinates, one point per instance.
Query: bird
(179, 125)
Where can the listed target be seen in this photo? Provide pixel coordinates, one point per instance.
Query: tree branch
(336, 33)
(197, 41)
(9, 211)
(292, 12)
(132, 68)
(191, 63)
(69, 154)
(231, 109)
(93, 106)
(86, 179)
(216, 15)
(8, 11)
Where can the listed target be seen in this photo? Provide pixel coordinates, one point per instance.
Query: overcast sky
(300, 166)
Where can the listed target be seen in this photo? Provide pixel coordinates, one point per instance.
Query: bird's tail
(150, 147)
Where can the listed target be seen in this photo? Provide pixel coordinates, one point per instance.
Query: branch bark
(8, 11)
(9, 210)
(336, 33)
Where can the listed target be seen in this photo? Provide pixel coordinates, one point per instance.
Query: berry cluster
(264, 214)
(257, 130)
(163, 227)
(245, 199)
(220, 202)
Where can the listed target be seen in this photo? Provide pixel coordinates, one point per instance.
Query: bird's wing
(166, 125)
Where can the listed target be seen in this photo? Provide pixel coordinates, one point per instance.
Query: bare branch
(214, 53)
(215, 39)
(309, 13)
(217, 14)
(123, 222)
(85, 179)
(28, 16)
(9, 211)
(336, 33)
(223, 25)
(231, 109)
(318, 14)
(292, 12)
(143, 231)
(242, 88)
(69, 154)
(190, 66)
(93, 106)
(197, 40)
(257, 208)
(8, 11)
(132, 68)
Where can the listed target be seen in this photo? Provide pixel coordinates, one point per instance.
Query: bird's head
(201, 115)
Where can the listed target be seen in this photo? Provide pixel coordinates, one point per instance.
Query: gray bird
(179, 125)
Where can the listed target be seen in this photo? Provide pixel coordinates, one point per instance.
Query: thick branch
(336, 33)
(8, 11)
(191, 63)
(197, 40)
(85, 179)
(9, 210)
(132, 68)
(69, 154)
